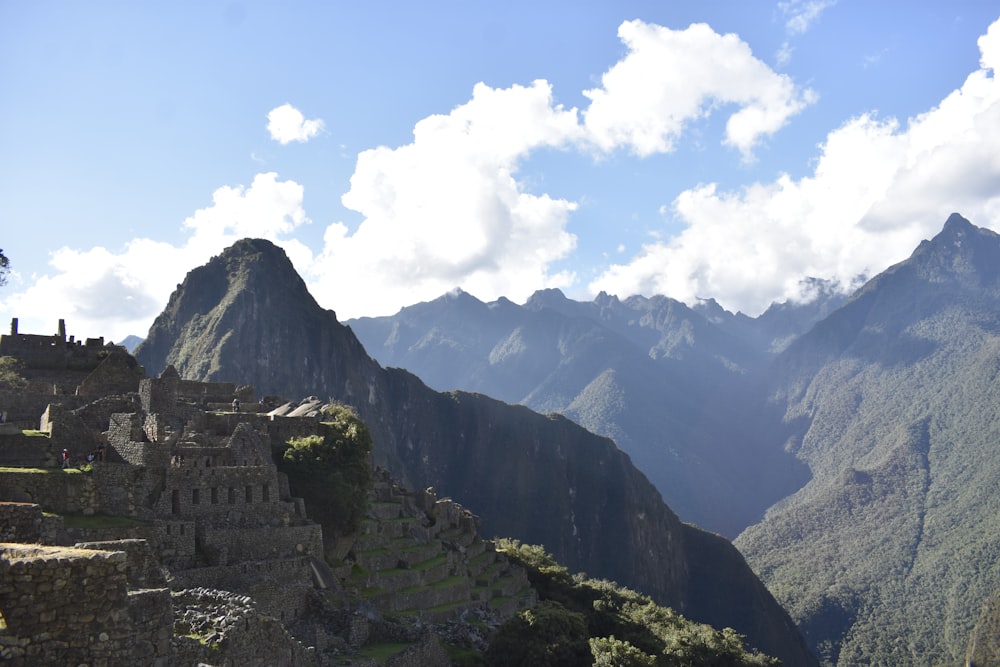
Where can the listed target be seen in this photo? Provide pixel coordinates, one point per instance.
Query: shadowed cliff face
(247, 317)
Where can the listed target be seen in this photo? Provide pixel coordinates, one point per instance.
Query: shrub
(331, 472)
(546, 635)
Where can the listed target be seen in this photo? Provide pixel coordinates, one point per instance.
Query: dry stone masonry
(173, 539)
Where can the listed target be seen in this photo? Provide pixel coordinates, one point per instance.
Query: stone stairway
(420, 556)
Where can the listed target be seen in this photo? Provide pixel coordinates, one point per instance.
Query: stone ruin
(212, 549)
(198, 487)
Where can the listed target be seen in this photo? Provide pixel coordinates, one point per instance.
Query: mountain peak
(956, 224)
(960, 251)
(545, 297)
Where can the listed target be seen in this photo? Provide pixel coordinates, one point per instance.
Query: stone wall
(67, 606)
(215, 492)
(32, 451)
(56, 352)
(279, 587)
(127, 442)
(25, 522)
(282, 429)
(25, 408)
(204, 393)
(224, 628)
(142, 568)
(56, 491)
(123, 490)
(159, 395)
(225, 547)
(118, 373)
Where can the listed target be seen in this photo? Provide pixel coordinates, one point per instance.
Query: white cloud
(449, 209)
(799, 17)
(672, 77)
(287, 124)
(446, 210)
(118, 292)
(801, 14)
(878, 189)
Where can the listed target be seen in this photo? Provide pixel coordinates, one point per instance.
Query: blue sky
(398, 150)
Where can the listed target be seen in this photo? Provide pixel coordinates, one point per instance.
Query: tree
(4, 268)
(331, 472)
(547, 635)
(10, 375)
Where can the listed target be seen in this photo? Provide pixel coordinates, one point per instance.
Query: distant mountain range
(864, 427)
(663, 380)
(246, 316)
(848, 444)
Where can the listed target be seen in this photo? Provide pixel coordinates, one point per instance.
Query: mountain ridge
(649, 372)
(246, 316)
(884, 399)
(891, 401)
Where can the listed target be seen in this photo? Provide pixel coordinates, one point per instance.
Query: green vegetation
(888, 555)
(332, 471)
(46, 471)
(382, 652)
(10, 371)
(589, 621)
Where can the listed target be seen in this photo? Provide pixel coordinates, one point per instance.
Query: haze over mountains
(658, 377)
(881, 407)
(849, 443)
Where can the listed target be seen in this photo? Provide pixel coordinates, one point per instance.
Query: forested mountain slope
(887, 555)
(246, 316)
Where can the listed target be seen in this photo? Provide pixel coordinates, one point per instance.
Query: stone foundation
(68, 606)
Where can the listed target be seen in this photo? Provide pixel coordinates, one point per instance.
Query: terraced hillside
(417, 556)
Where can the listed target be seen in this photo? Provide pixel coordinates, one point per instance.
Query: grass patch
(499, 601)
(201, 639)
(444, 583)
(41, 471)
(370, 592)
(428, 564)
(382, 652)
(464, 657)
(34, 433)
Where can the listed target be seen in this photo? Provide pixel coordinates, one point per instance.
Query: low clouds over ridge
(447, 209)
(877, 190)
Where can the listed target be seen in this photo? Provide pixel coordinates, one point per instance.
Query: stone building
(207, 548)
(199, 488)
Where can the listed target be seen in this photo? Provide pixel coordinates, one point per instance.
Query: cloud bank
(118, 292)
(672, 77)
(451, 208)
(448, 210)
(879, 187)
